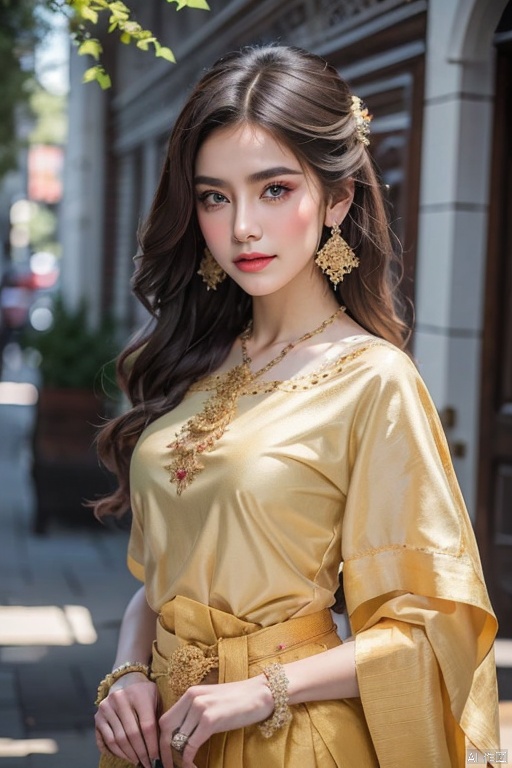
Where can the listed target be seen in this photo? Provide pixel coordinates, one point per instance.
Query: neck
(283, 317)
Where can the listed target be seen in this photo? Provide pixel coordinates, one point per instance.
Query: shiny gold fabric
(347, 465)
(244, 649)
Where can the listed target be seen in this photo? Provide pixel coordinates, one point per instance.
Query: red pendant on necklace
(201, 432)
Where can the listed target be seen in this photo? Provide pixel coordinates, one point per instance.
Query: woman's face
(260, 213)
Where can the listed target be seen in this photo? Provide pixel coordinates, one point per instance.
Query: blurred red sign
(45, 164)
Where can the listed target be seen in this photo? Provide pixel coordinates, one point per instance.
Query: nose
(245, 224)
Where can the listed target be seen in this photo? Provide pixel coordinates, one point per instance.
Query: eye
(216, 197)
(276, 191)
(212, 199)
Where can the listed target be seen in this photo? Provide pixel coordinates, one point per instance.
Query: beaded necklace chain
(200, 433)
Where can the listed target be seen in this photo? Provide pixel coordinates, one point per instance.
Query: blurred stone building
(435, 75)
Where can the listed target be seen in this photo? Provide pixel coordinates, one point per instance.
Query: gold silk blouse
(347, 466)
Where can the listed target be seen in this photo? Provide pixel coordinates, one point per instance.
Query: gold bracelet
(109, 680)
(277, 682)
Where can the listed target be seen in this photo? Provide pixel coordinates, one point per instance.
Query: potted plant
(77, 391)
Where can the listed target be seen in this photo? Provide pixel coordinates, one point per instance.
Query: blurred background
(78, 167)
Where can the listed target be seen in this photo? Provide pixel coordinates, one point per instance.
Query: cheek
(212, 227)
(303, 221)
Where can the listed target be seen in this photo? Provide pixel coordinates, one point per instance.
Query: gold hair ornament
(362, 118)
(211, 271)
(336, 258)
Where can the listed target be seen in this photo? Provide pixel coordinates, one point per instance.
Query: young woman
(278, 433)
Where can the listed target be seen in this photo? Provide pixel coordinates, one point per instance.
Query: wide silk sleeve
(416, 598)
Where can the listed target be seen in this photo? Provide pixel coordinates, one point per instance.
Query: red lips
(253, 262)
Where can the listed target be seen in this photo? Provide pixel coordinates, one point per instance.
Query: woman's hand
(207, 709)
(126, 720)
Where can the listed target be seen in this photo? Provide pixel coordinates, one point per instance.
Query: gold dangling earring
(211, 271)
(336, 258)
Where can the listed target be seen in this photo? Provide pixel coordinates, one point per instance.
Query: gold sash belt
(193, 639)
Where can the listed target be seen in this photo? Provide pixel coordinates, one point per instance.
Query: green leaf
(90, 47)
(90, 74)
(119, 11)
(119, 7)
(201, 4)
(97, 73)
(133, 28)
(161, 52)
(103, 79)
(88, 14)
(119, 17)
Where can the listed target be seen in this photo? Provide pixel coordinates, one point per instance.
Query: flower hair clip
(362, 118)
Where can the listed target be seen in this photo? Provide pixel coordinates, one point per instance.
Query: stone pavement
(62, 596)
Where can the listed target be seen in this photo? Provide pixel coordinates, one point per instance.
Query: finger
(148, 725)
(168, 725)
(116, 740)
(110, 747)
(197, 726)
(105, 738)
(188, 753)
(188, 757)
(177, 752)
(139, 732)
(182, 718)
(132, 737)
(169, 757)
(197, 739)
(99, 741)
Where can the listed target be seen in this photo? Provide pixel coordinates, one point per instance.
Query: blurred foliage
(51, 117)
(42, 227)
(21, 29)
(74, 355)
(88, 14)
(24, 24)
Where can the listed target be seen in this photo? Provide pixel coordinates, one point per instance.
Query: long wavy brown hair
(304, 103)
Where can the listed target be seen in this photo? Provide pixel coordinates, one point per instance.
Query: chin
(259, 291)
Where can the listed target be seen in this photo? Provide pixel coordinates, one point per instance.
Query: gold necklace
(200, 433)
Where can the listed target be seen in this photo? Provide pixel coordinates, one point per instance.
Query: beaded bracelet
(277, 682)
(109, 680)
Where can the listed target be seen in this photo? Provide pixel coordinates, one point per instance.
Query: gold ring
(179, 741)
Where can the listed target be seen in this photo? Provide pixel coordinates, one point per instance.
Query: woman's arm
(126, 720)
(137, 631)
(328, 675)
(208, 709)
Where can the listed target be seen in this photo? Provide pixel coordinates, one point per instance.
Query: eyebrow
(268, 173)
